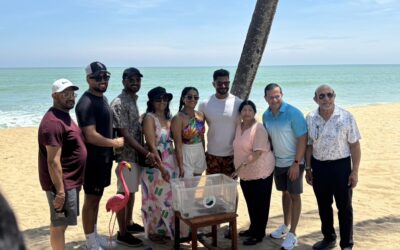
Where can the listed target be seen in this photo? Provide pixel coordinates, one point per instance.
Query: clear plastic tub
(204, 195)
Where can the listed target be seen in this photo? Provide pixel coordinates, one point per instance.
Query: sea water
(25, 93)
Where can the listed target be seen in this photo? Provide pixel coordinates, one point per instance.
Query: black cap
(130, 72)
(158, 92)
(96, 67)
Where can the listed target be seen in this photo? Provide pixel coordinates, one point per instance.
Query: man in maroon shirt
(62, 158)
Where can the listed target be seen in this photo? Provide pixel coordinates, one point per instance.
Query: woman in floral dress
(157, 208)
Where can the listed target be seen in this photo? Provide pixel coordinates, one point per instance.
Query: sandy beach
(376, 201)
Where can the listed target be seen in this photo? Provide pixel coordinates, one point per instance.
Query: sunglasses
(99, 78)
(134, 79)
(161, 99)
(68, 94)
(329, 95)
(221, 83)
(192, 97)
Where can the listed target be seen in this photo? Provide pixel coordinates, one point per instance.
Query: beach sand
(376, 199)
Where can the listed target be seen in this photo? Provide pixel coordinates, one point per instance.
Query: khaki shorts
(132, 178)
(71, 208)
(220, 164)
(283, 183)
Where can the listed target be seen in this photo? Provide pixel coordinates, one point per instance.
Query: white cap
(61, 84)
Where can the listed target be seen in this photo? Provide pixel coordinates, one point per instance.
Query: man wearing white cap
(62, 158)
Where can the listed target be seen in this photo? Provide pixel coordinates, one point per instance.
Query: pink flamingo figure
(118, 201)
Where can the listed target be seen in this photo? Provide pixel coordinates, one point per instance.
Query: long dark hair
(150, 108)
(184, 92)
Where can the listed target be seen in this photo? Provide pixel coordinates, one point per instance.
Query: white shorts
(132, 178)
(194, 159)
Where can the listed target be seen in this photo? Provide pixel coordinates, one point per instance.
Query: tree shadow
(38, 238)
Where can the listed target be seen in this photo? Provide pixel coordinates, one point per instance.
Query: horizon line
(208, 66)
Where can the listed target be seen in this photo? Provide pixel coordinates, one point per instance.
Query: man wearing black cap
(95, 119)
(126, 123)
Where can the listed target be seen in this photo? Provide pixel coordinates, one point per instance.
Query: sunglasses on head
(192, 97)
(161, 99)
(99, 78)
(329, 95)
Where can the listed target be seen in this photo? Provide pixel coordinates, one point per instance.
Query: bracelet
(148, 154)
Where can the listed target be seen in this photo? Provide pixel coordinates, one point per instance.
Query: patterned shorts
(220, 164)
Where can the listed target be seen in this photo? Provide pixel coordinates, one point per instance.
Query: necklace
(189, 115)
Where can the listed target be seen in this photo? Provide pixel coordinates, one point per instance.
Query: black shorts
(97, 177)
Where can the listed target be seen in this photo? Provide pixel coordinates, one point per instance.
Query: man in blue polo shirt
(287, 129)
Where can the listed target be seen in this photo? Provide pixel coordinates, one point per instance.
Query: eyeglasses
(329, 95)
(68, 94)
(192, 97)
(99, 78)
(161, 99)
(271, 98)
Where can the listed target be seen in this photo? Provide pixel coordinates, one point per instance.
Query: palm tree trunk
(254, 46)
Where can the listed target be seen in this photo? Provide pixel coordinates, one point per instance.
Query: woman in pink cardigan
(254, 163)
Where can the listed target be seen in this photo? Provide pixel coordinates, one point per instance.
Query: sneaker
(290, 242)
(135, 228)
(280, 232)
(93, 246)
(129, 240)
(105, 242)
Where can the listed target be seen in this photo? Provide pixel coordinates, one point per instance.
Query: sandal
(156, 238)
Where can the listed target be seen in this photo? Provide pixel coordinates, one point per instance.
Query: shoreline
(258, 115)
(375, 201)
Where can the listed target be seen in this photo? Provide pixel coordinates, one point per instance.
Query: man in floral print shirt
(333, 158)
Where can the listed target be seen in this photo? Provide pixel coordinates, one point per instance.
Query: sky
(152, 33)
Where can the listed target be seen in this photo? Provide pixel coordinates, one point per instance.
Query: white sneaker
(93, 246)
(280, 232)
(105, 242)
(290, 242)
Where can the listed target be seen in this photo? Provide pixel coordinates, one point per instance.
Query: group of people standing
(284, 146)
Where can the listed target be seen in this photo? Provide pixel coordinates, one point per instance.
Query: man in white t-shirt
(221, 113)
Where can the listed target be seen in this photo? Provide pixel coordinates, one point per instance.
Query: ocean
(25, 93)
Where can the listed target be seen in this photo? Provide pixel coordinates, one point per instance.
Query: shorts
(220, 164)
(71, 208)
(132, 178)
(97, 177)
(194, 159)
(283, 183)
